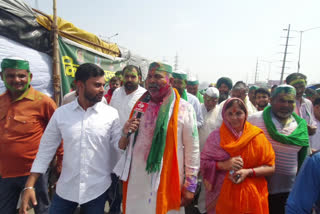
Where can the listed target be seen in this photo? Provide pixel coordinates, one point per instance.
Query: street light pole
(301, 32)
(114, 35)
(285, 56)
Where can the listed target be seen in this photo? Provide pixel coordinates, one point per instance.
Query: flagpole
(55, 58)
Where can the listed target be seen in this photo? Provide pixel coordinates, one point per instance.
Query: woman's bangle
(253, 173)
(28, 188)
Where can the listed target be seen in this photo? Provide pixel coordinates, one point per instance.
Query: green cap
(192, 80)
(180, 75)
(196, 82)
(287, 89)
(254, 87)
(14, 63)
(158, 66)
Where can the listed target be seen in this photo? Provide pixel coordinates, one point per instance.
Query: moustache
(154, 85)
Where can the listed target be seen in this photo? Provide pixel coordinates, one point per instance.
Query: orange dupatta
(169, 191)
(250, 196)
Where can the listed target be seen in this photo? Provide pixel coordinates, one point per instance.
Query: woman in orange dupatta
(235, 181)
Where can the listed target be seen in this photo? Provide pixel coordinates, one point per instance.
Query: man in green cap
(192, 88)
(180, 83)
(163, 155)
(24, 115)
(304, 107)
(288, 134)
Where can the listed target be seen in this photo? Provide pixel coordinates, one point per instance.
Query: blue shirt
(306, 190)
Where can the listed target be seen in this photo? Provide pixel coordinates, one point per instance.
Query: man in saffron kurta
(161, 162)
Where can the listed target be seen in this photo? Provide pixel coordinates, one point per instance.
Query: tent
(27, 34)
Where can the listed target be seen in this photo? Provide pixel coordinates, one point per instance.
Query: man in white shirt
(315, 139)
(89, 129)
(210, 110)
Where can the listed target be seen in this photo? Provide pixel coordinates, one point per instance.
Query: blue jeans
(10, 189)
(63, 206)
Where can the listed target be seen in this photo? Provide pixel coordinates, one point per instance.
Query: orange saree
(250, 196)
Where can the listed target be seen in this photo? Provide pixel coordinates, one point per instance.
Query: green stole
(299, 137)
(159, 136)
(200, 97)
(184, 95)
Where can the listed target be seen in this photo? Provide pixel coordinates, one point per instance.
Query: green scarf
(184, 95)
(159, 136)
(298, 137)
(200, 97)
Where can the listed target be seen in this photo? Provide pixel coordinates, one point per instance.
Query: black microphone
(141, 107)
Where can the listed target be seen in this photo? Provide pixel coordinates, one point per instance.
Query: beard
(262, 105)
(130, 86)
(93, 98)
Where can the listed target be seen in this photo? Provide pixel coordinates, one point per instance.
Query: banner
(71, 57)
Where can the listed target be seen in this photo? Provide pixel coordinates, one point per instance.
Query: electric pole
(285, 55)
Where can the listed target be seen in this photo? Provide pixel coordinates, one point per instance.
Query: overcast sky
(212, 38)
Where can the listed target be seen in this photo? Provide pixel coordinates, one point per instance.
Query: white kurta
(141, 198)
(193, 100)
(315, 139)
(124, 102)
(210, 124)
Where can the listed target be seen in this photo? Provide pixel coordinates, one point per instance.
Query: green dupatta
(299, 137)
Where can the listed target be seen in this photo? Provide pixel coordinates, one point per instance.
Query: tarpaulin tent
(19, 23)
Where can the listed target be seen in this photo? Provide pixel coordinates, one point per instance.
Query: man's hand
(131, 125)
(186, 197)
(311, 130)
(28, 201)
(234, 163)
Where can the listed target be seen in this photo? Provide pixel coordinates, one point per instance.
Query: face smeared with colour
(16, 80)
(300, 88)
(235, 116)
(282, 105)
(131, 79)
(179, 84)
(158, 83)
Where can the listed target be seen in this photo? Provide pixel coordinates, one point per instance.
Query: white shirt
(315, 139)
(124, 102)
(194, 101)
(87, 138)
(210, 123)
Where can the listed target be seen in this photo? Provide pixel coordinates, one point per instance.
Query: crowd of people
(158, 146)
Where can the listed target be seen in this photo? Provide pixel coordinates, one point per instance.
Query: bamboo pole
(56, 59)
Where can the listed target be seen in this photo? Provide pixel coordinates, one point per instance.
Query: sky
(212, 38)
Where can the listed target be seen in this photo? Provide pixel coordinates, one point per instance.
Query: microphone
(141, 107)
